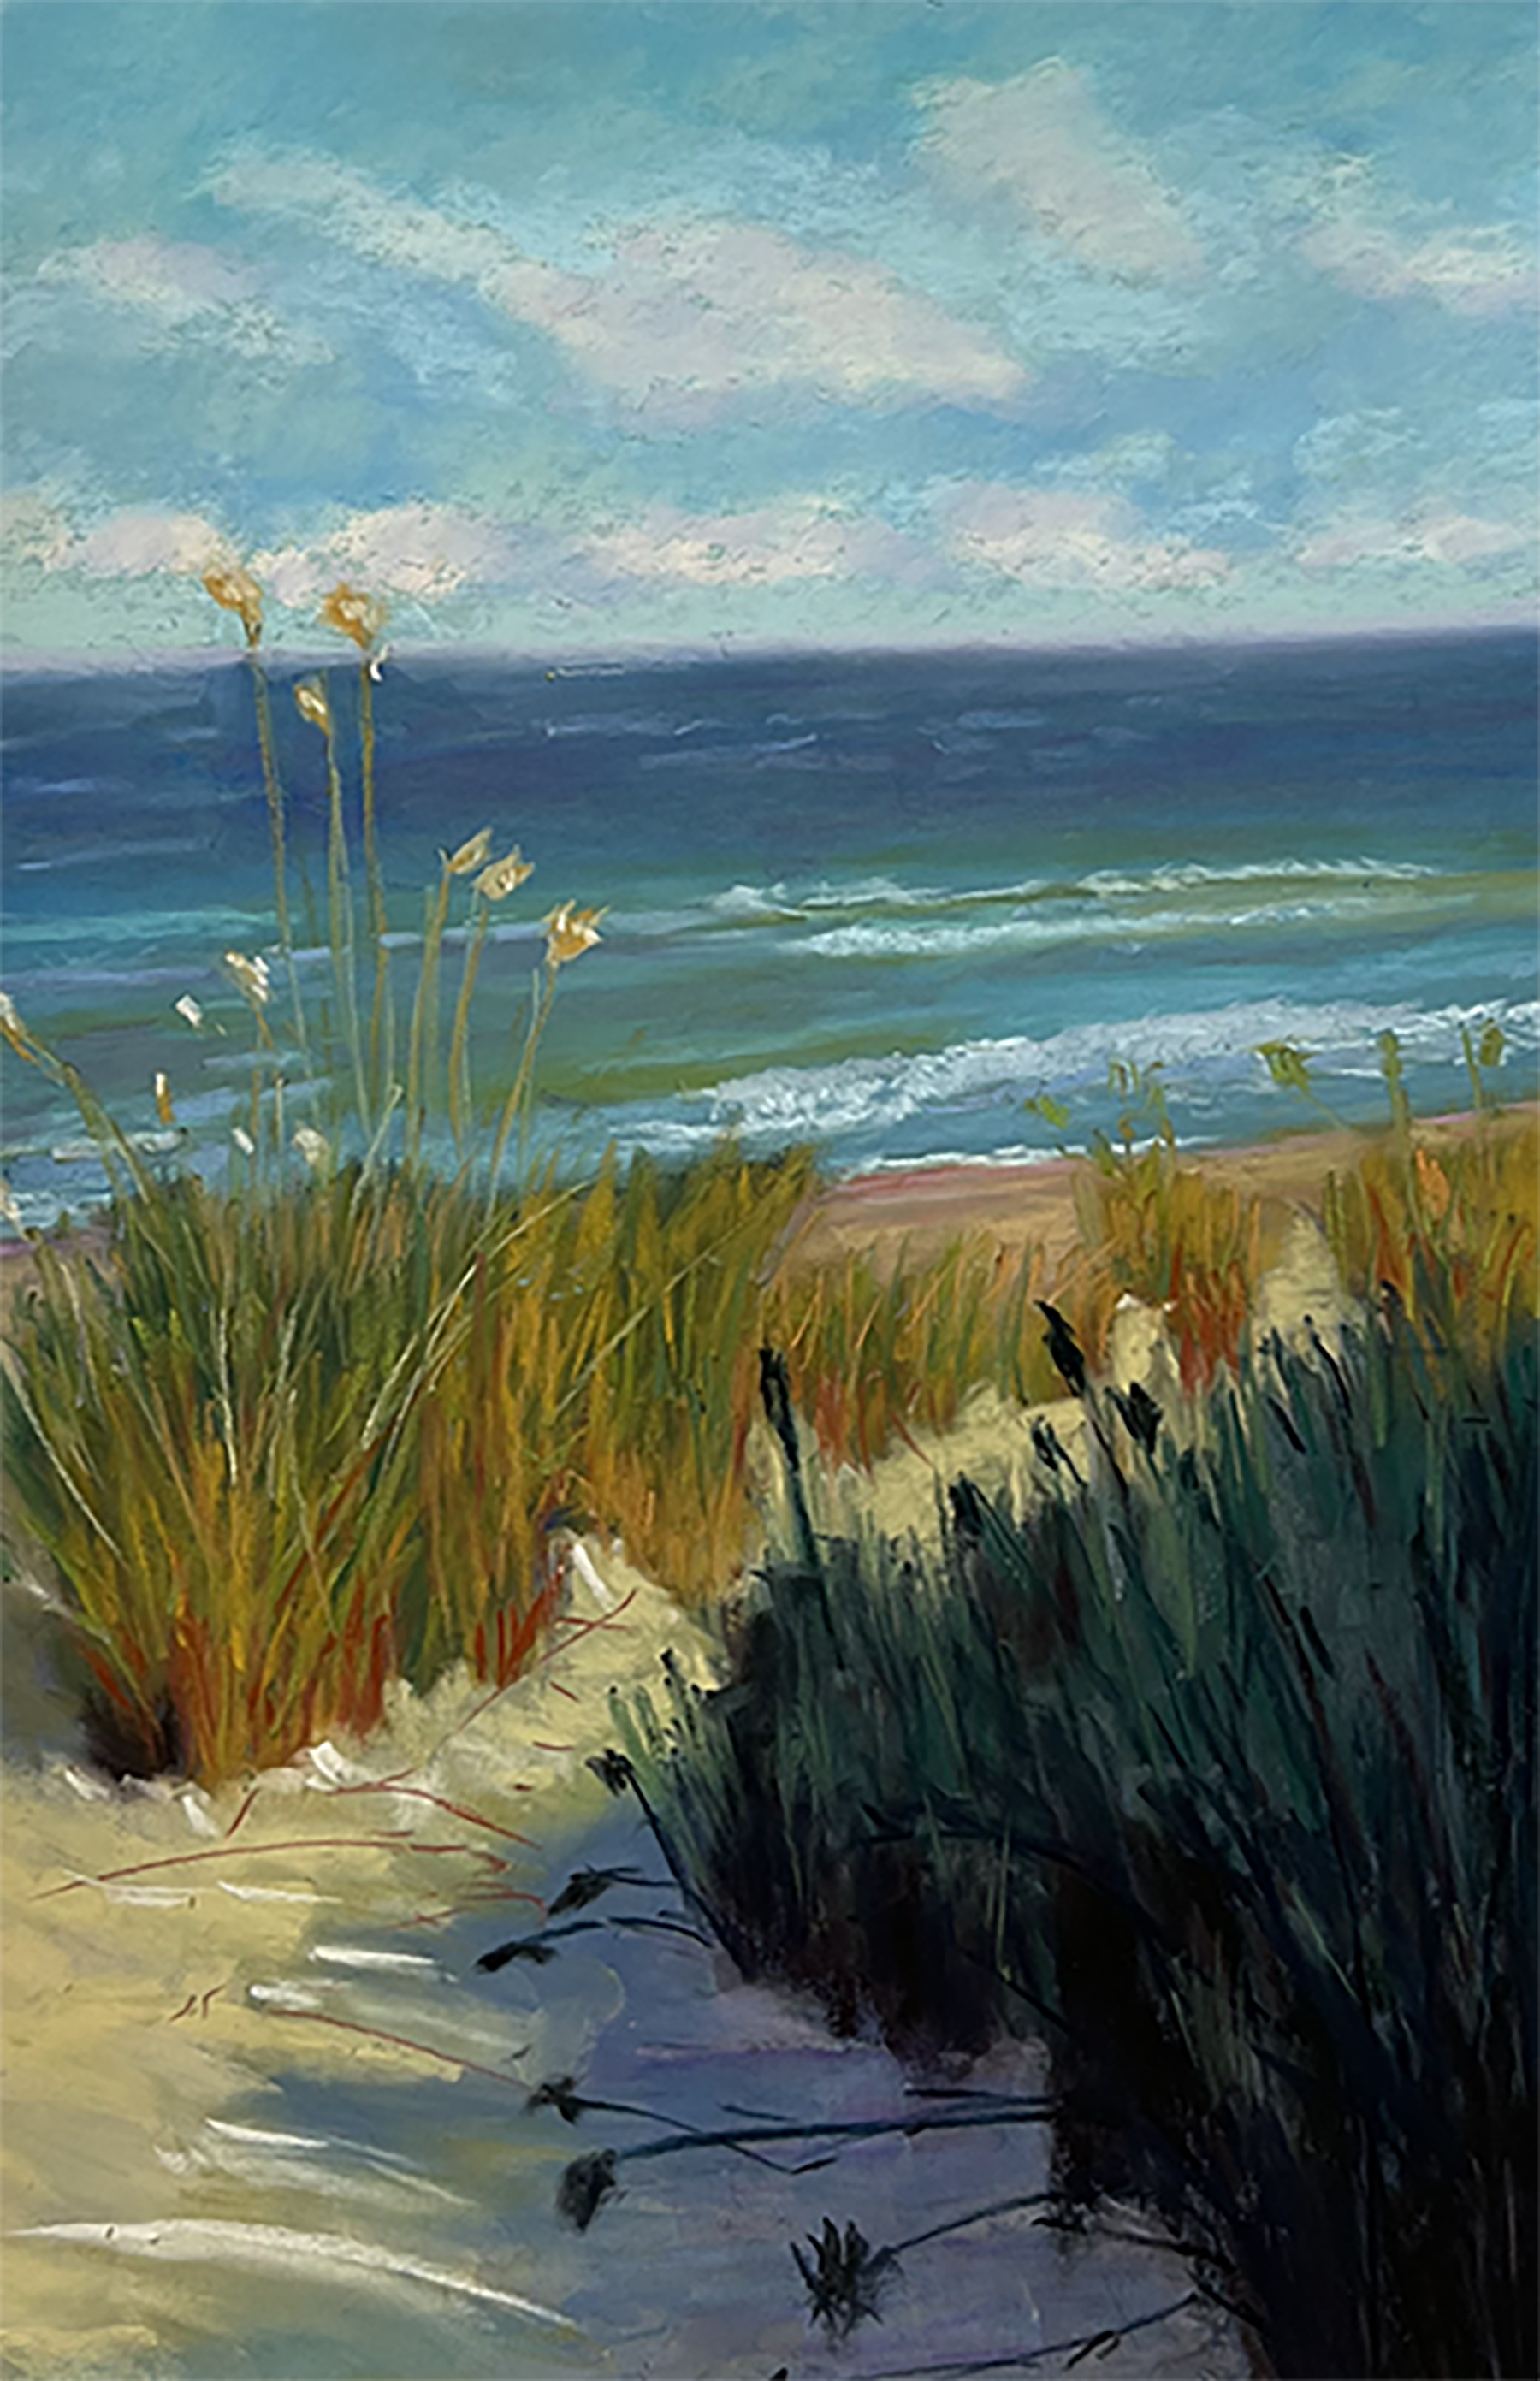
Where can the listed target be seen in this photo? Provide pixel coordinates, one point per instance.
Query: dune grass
(271, 1451)
(876, 1353)
(287, 1438)
(1217, 1774)
(278, 1443)
(1450, 1231)
(1169, 1236)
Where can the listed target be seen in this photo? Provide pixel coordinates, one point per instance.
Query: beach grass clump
(876, 1352)
(1171, 1236)
(1217, 1774)
(663, 1301)
(271, 1450)
(220, 1442)
(1449, 1227)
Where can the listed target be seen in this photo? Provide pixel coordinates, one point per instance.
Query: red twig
(420, 1794)
(385, 1842)
(246, 1851)
(402, 2042)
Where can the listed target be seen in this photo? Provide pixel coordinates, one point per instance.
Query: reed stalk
(382, 1015)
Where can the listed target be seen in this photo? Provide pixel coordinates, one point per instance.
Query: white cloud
(426, 553)
(1443, 536)
(799, 538)
(678, 317)
(1478, 270)
(182, 289)
(138, 544)
(1059, 538)
(420, 551)
(1041, 143)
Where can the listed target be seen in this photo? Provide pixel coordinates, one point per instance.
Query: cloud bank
(682, 314)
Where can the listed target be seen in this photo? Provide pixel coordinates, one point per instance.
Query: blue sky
(574, 326)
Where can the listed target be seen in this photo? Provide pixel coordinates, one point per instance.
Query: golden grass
(271, 1452)
(1173, 1237)
(875, 1353)
(1449, 1230)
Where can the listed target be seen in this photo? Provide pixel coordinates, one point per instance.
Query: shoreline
(927, 1206)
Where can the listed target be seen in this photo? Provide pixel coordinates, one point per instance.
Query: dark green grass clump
(1217, 1773)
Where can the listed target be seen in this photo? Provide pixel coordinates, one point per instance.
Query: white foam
(867, 1095)
(1042, 928)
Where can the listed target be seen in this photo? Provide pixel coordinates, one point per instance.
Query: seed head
(353, 614)
(504, 876)
(584, 2186)
(10, 1022)
(1432, 1183)
(469, 857)
(569, 931)
(251, 976)
(235, 590)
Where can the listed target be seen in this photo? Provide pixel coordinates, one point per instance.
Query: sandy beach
(925, 1208)
(264, 2115)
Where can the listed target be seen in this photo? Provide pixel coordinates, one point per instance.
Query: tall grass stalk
(423, 1039)
(311, 696)
(121, 1162)
(515, 1110)
(273, 789)
(382, 1013)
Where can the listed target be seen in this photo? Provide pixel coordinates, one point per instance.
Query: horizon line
(731, 646)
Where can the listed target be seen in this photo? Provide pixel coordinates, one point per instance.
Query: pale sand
(140, 2011)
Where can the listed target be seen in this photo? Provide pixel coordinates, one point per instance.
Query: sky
(598, 325)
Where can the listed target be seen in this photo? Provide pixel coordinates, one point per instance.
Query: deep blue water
(879, 901)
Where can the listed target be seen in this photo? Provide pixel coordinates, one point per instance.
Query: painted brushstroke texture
(896, 326)
(883, 903)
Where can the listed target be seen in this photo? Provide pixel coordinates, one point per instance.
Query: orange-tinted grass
(1174, 1238)
(875, 1354)
(1450, 1232)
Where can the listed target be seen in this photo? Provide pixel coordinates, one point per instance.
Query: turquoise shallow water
(878, 901)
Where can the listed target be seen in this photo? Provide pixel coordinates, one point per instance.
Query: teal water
(880, 902)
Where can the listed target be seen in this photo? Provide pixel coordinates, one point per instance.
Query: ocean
(878, 902)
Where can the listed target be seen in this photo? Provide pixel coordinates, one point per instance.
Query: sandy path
(148, 1935)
